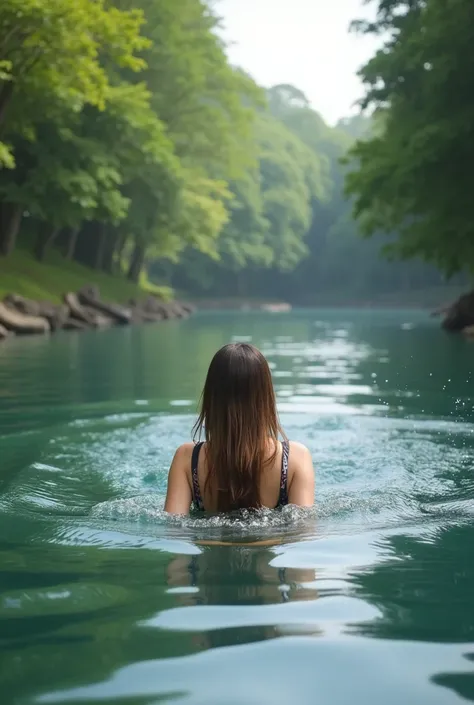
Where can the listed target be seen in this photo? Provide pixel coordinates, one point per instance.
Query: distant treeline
(330, 263)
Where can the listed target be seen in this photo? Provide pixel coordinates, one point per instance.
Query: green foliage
(290, 181)
(125, 113)
(53, 56)
(412, 177)
(271, 206)
(132, 144)
(48, 280)
(206, 104)
(206, 107)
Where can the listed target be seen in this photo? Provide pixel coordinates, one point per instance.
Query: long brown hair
(239, 418)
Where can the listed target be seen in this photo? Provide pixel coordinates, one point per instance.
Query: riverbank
(428, 299)
(80, 311)
(21, 273)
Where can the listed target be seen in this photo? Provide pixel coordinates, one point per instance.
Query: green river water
(370, 599)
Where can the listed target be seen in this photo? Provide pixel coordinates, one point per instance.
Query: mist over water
(102, 596)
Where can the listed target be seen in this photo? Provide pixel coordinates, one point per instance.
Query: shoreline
(243, 305)
(86, 310)
(81, 311)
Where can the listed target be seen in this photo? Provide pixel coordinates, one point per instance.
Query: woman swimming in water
(242, 464)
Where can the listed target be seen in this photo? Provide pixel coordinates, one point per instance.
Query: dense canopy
(129, 143)
(412, 176)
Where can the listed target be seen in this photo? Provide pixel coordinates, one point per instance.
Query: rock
(78, 311)
(100, 319)
(460, 314)
(468, 331)
(22, 305)
(440, 311)
(152, 304)
(153, 309)
(21, 323)
(90, 291)
(55, 314)
(176, 310)
(140, 316)
(188, 308)
(172, 309)
(88, 297)
(4, 333)
(75, 324)
(82, 311)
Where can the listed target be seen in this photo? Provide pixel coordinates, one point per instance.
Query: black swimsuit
(197, 497)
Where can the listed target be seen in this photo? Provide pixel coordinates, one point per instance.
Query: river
(103, 599)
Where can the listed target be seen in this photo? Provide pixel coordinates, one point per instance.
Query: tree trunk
(108, 259)
(87, 243)
(6, 93)
(10, 222)
(99, 253)
(45, 238)
(136, 263)
(72, 242)
(122, 241)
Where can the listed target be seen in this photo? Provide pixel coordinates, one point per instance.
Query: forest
(130, 144)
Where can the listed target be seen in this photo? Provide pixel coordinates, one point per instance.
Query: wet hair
(239, 418)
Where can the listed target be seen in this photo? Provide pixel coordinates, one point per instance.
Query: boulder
(153, 309)
(75, 324)
(55, 314)
(188, 308)
(152, 304)
(21, 323)
(460, 314)
(91, 291)
(78, 311)
(141, 316)
(89, 296)
(82, 311)
(100, 319)
(177, 310)
(22, 305)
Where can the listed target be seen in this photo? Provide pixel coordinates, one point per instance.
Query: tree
(413, 177)
(52, 65)
(52, 54)
(206, 104)
(270, 213)
(208, 110)
(290, 178)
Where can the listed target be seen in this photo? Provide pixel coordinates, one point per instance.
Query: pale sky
(303, 42)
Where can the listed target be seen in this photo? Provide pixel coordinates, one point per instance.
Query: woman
(242, 464)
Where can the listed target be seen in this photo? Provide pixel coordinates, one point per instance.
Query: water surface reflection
(103, 599)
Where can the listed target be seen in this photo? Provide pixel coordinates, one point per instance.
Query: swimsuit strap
(283, 501)
(195, 479)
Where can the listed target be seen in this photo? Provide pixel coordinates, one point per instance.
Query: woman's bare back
(299, 481)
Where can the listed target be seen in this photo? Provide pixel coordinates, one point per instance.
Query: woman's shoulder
(184, 452)
(182, 459)
(299, 450)
(300, 461)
